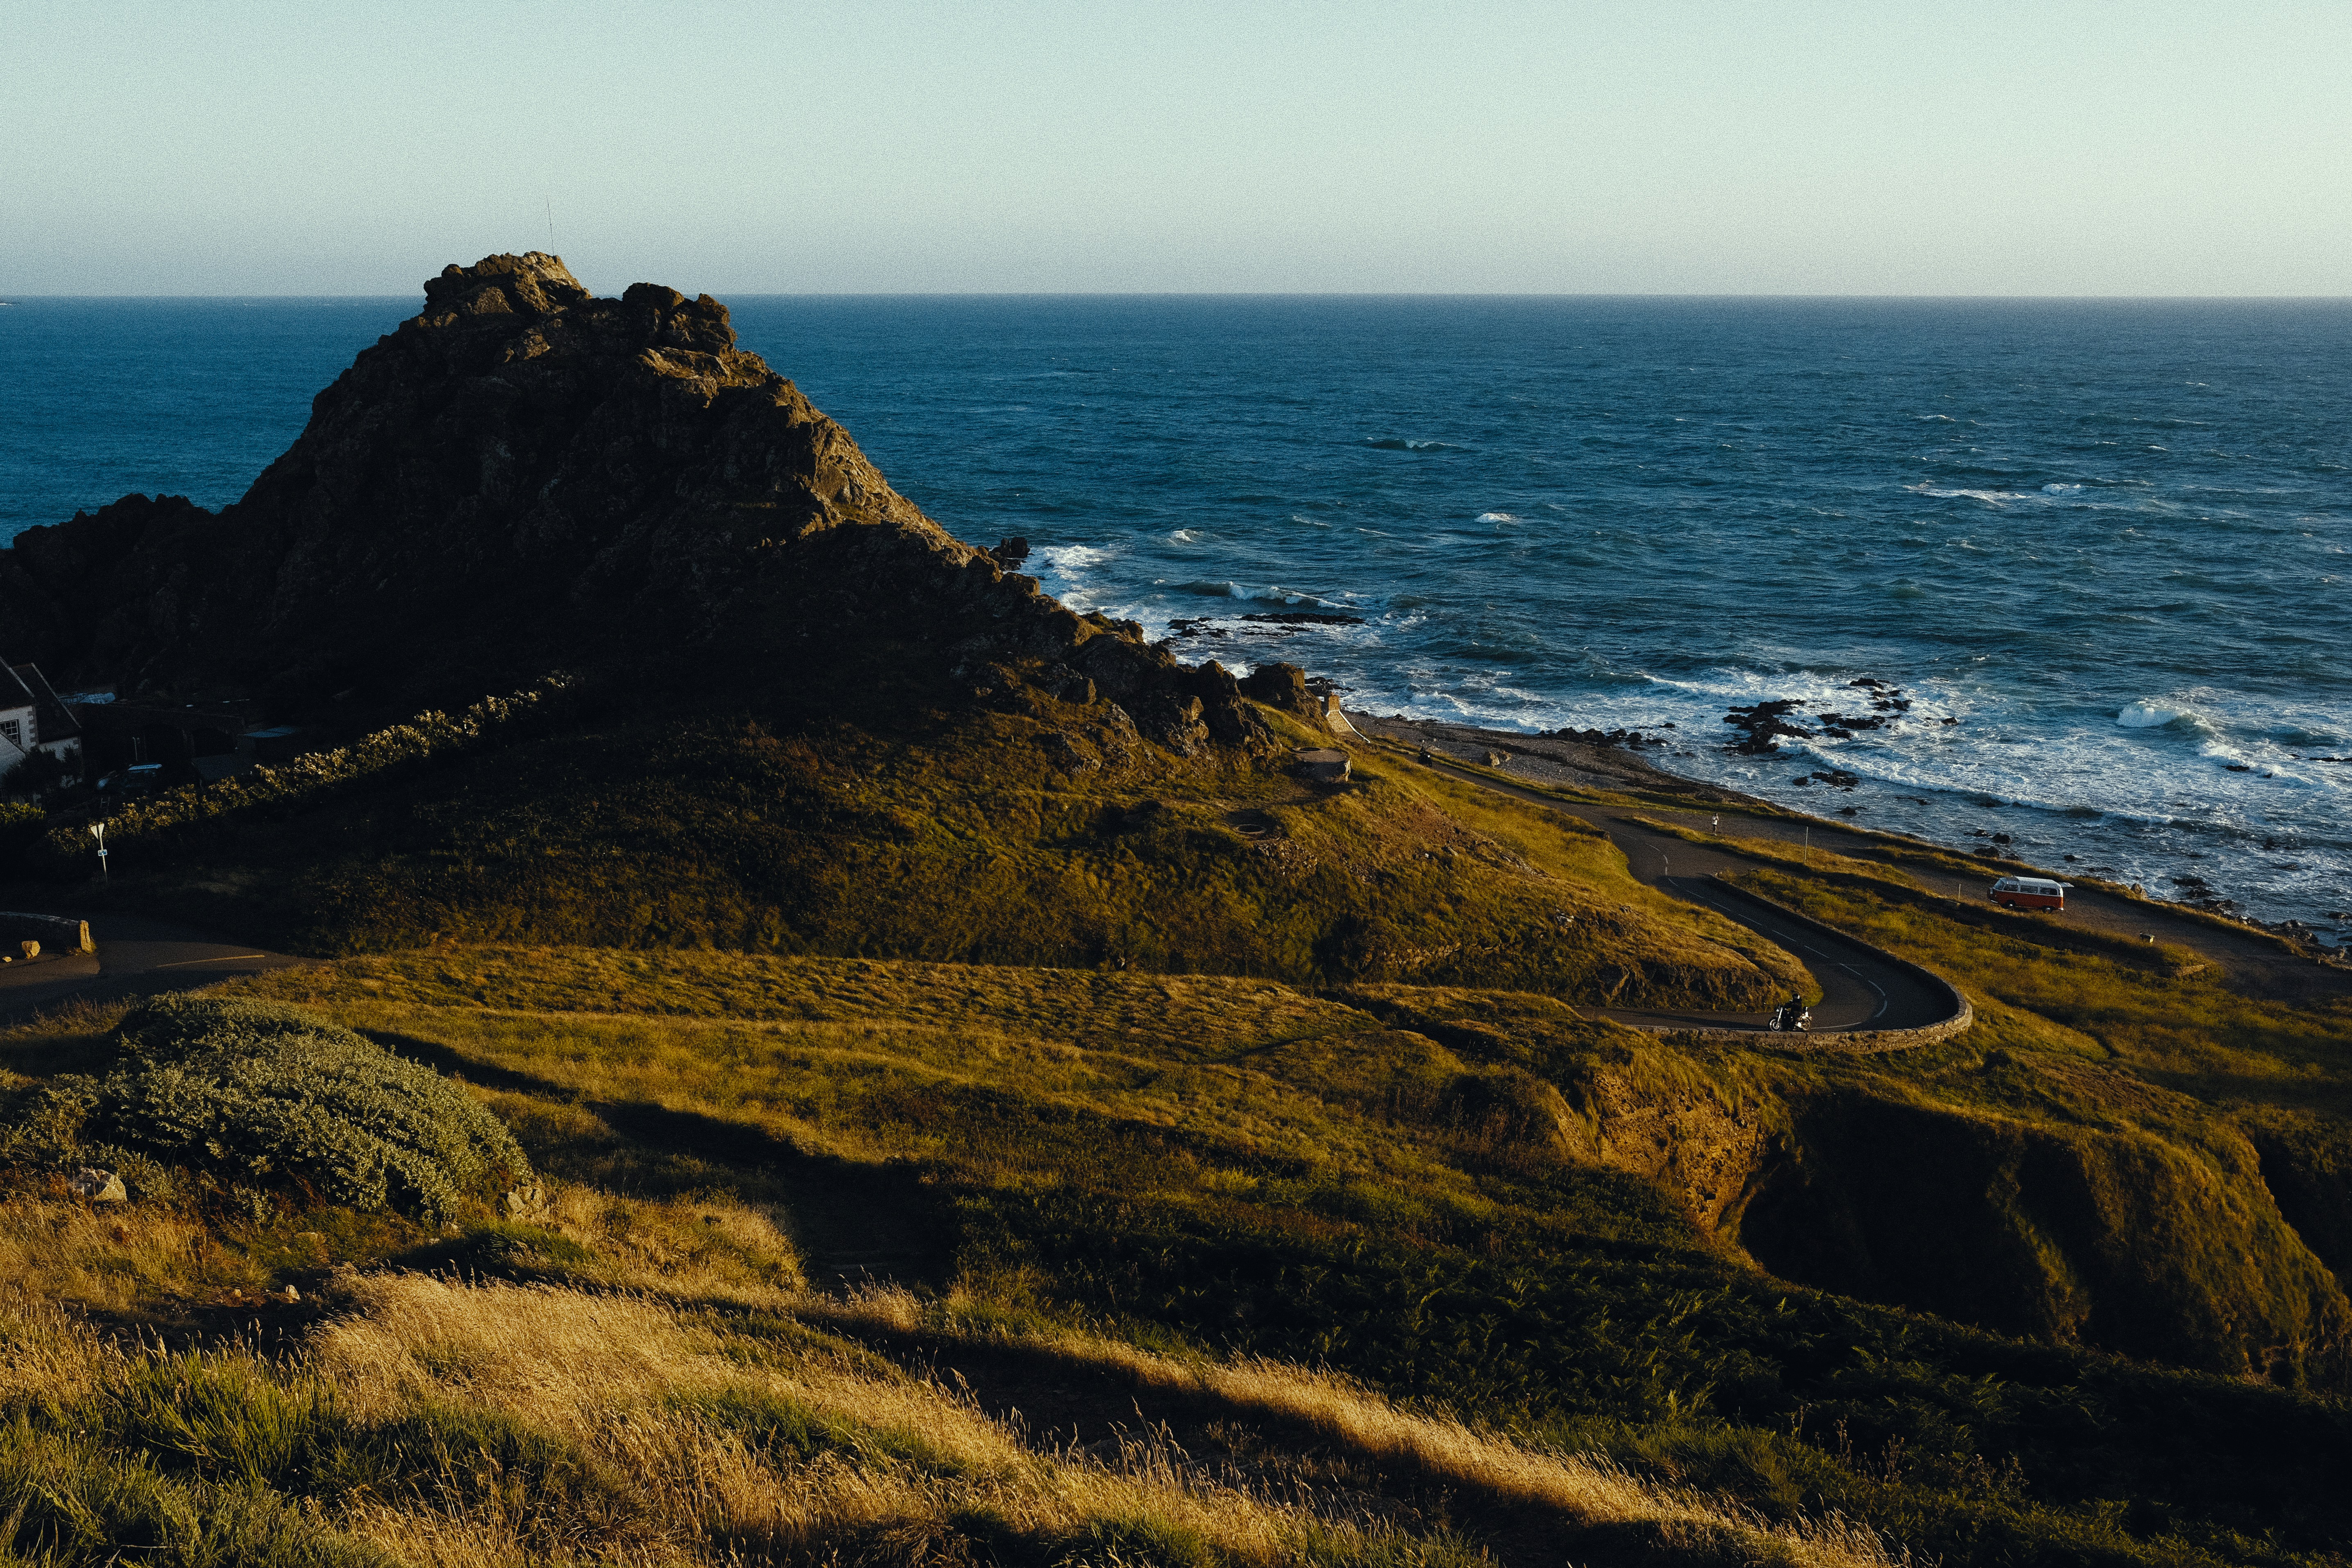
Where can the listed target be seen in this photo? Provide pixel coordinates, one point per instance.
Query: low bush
(260, 1097)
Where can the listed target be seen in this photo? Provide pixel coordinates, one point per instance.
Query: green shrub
(263, 1097)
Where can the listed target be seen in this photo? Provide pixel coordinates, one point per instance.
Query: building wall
(28, 736)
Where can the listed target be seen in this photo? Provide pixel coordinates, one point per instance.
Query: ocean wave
(1494, 517)
(1398, 444)
(1991, 498)
(1273, 594)
(1069, 560)
(2151, 713)
(1183, 536)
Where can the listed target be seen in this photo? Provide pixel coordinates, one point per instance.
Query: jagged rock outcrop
(522, 477)
(1283, 686)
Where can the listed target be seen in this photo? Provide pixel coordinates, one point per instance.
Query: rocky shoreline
(1586, 760)
(1595, 760)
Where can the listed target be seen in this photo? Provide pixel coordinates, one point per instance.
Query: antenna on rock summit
(551, 225)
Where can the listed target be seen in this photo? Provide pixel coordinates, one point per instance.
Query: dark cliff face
(521, 478)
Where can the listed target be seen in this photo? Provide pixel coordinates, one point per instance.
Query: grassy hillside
(1116, 1204)
(2112, 1106)
(915, 824)
(950, 1129)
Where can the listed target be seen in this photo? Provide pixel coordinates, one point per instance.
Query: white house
(33, 719)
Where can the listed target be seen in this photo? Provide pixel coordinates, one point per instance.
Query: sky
(2056, 148)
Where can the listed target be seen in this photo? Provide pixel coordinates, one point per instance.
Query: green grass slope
(2112, 1107)
(911, 822)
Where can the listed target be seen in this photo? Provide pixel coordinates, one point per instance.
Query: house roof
(54, 720)
(13, 693)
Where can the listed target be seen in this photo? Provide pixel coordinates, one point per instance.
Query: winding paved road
(136, 956)
(1860, 988)
(2253, 961)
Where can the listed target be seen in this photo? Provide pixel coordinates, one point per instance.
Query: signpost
(97, 831)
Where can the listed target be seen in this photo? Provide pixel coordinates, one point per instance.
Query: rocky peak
(534, 284)
(523, 476)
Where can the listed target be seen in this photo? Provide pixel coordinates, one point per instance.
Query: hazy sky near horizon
(2058, 147)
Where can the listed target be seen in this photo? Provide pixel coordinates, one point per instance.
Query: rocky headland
(523, 478)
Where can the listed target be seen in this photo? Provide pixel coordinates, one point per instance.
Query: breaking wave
(1991, 498)
(1273, 594)
(2154, 715)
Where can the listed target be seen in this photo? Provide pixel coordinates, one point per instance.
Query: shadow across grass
(854, 1221)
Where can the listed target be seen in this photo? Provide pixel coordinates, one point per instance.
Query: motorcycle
(1791, 1017)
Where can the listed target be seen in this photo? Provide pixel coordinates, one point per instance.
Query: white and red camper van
(2031, 893)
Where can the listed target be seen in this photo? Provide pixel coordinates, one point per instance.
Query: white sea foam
(2150, 714)
(1067, 571)
(1183, 536)
(1495, 516)
(1991, 498)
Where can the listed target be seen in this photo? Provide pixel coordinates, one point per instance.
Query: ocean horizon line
(7, 297)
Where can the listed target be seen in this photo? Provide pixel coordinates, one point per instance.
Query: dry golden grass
(630, 1382)
(1581, 1491)
(875, 1079)
(702, 1247)
(45, 1352)
(1146, 1014)
(114, 1258)
(632, 1399)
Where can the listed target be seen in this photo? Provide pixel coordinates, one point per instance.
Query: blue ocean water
(2112, 539)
